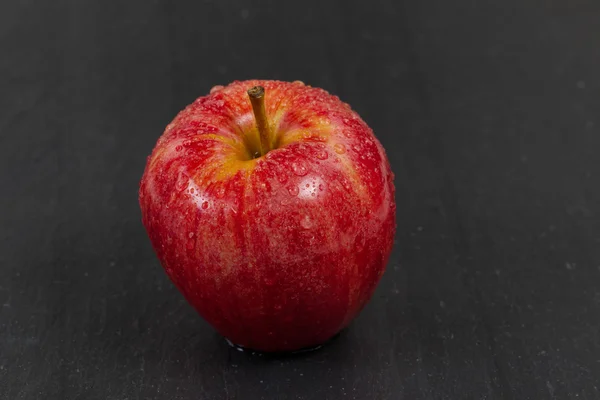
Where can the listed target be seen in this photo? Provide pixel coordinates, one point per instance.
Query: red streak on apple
(277, 251)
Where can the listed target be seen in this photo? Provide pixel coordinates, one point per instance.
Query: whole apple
(271, 207)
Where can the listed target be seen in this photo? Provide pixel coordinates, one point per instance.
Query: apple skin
(279, 252)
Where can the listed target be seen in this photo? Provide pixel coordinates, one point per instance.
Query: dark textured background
(489, 113)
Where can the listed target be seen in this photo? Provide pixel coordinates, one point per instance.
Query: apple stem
(257, 98)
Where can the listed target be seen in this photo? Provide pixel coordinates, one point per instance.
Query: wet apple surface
(277, 238)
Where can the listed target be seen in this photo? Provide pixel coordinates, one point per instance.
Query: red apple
(272, 210)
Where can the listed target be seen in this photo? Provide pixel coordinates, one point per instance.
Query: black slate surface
(489, 111)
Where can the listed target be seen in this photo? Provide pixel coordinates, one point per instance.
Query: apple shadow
(284, 355)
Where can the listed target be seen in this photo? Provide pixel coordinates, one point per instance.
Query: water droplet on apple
(178, 147)
(321, 188)
(282, 178)
(322, 155)
(299, 169)
(293, 190)
(191, 235)
(356, 147)
(269, 281)
(204, 205)
(278, 307)
(187, 143)
(220, 192)
(182, 181)
(339, 148)
(216, 88)
(346, 184)
(299, 83)
(190, 244)
(306, 222)
(192, 190)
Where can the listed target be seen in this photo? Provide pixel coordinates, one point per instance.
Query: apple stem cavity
(257, 98)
